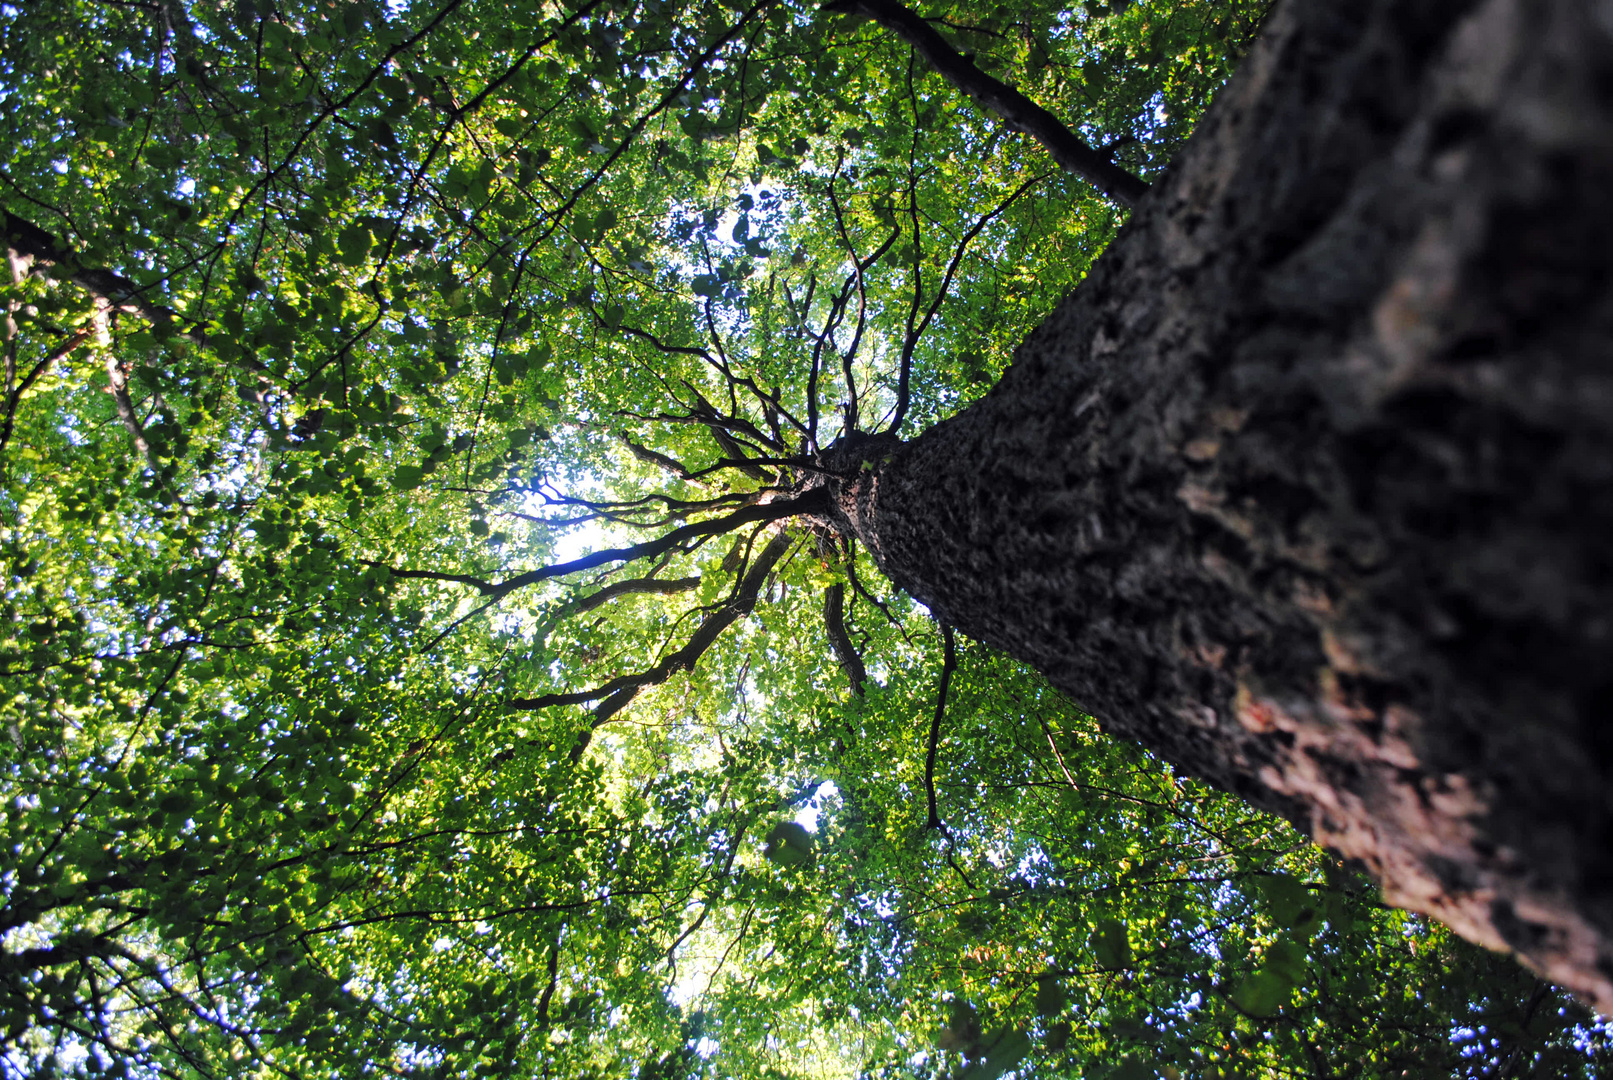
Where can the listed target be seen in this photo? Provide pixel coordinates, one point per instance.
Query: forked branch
(15, 388)
(47, 254)
(915, 332)
(615, 695)
(812, 501)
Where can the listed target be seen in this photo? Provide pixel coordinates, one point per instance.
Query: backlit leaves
(458, 291)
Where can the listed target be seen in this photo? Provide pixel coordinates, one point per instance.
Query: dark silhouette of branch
(14, 389)
(713, 894)
(550, 986)
(884, 609)
(46, 253)
(29, 246)
(809, 502)
(948, 664)
(721, 428)
(856, 282)
(670, 98)
(620, 510)
(72, 948)
(577, 607)
(667, 510)
(799, 463)
(617, 693)
(996, 96)
(770, 402)
(905, 372)
(481, 585)
(733, 424)
(637, 585)
(834, 620)
(656, 458)
(1163, 806)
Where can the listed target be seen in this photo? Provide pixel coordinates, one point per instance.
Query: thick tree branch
(656, 458)
(31, 247)
(14, 390)
(550, 986)
(46, 253)
(1017, 110)
(71, 948)
(637, 585)
(834, 621)
(722, 428)
(120, 395)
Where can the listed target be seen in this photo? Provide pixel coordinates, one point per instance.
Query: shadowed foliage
(429, 644)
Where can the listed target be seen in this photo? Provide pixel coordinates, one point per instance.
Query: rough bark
(1309, 487)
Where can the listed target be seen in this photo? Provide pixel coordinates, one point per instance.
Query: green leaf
(1110, 944)
(353, 245)
(788, 844)
(1263, 993)
(407, 477)
(1050, 996)
(1291, 903)
(1004, 1049)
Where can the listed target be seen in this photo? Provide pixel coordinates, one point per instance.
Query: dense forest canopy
(410, 664)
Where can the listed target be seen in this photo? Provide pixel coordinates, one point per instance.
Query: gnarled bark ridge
(1309, 487)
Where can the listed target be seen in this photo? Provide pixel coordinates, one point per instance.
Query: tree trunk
(1307, 488)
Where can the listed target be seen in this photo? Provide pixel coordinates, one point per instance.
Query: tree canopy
(420, 654)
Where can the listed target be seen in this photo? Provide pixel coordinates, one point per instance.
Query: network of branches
(428, 647)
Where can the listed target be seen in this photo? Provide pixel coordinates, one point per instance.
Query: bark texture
(1309, 487)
